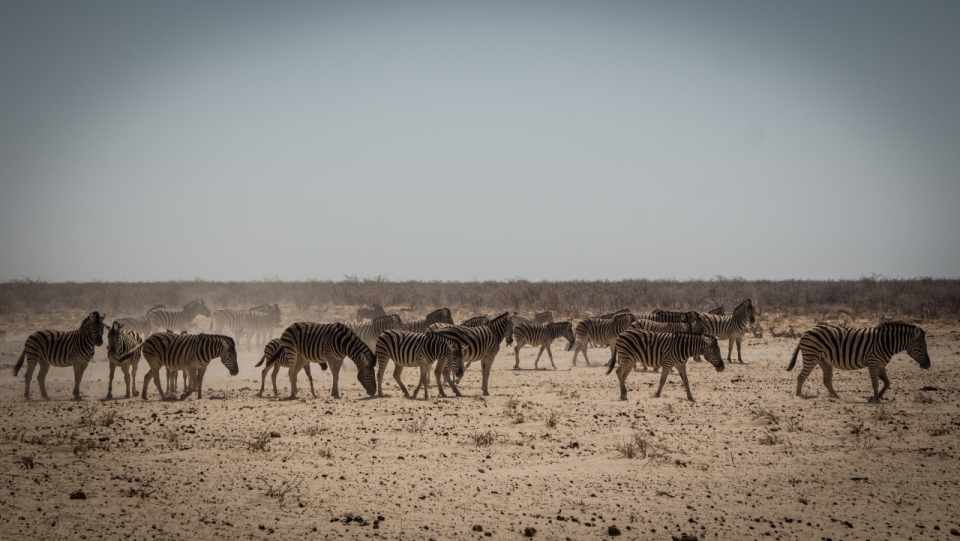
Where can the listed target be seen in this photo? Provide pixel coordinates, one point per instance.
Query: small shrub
(316, 430)
(921, 398)
(418, 424)
(760, 413)
(484, 439)
(144, 491)
(794, 425)
(552, 419)
(281, 489)
(627, 449)
(27, 460)
(170, 436)
(260, 442)
(326, 451)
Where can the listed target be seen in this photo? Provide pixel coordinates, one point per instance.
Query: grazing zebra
(370, 312)
(440, 315)
(120, 341)
(61, 348)
(139, 324)
(369, 331)
(602, 332)
(259, 324)
(408, 349)
(543, 336)
(326, 343)
(178, 320)
(191, 353)
(480, 343)
(476, 321)
(281, 362)
(731, 327)
(662, 350)
(851, 349)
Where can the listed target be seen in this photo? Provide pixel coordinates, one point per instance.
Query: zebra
(612, 315)
(667, 316)
(178, 320)
(438, 325)
(543, 318)
(227, 318)
(139, 324)
(368, 331)
(850, 349)
(120, 341)
(480, 343)
(440, 315)
(731, 327)
(259, 324)
(61, 348)
(326, 343)
(718, 311)
(408, 349)
(281, 362)
(543, 336)
(476, 321)
(191, 353)
(667, 327)
(370, 312)
(662, 350)
(600, 331)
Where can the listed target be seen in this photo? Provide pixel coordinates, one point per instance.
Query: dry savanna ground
(553, 454)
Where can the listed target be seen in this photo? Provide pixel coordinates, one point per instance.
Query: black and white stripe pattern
(476, 321)
(731, 327)
(667, 316)
(602, 332)
(282, 362)
(481, 343)
(225, 318)
(119, 342)
(541, 318)
(370, 330)
(327, 344)
(138, 324)
(852, 349)
(187, 352)
(61, 349)
(664, 351)
(543, 336)
(260, 324)
(664, 327)
(177, 320)
(441, 315)
(409, 350)
(612, 315)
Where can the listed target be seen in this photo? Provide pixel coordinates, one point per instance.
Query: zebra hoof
(873, 400)
(623, 397)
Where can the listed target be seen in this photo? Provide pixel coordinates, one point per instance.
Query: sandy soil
(718, 469)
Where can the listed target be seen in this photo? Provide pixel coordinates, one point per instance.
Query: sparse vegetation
(144, 491)
(794, 425)
(170, 436)
(283, 488)
(418, 424)
(315, 430)
(484, 439)
(326, 451)
(552, 419)
(921, 398)
(259, 443)
(27, 460)
(760, 413)
(771, 439)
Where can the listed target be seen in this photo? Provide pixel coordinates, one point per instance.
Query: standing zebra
(661, 350)
(281, 362)
(542, 318)
(139, 324)
(178, 320)
(120, 341)
(543, 336)
(369, 331)
(227, 318)
(408, 350)
(326, 343)
(731, 327)
(188, 352)
(370, 312)
(61, 349)
(667, 316)
(440, 315)
(480, 343)
(476, 321)
(667, 327)
(602, 332)
(259, 324)
(851, 349)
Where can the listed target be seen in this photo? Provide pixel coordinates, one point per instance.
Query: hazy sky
(485, 140)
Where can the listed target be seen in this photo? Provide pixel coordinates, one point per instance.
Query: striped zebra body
(664, 351)
(612, 315)
(61, 349)
(410, 350)
(852, 349)
(481, 343)
(602, 332)
(282, 362)
(139, 324)
(731, 327)
(667, 316)
(186, 352)
(421, 325)
(437, 326)
(476, 321)
(718, 311)
(225, 318)
(543, 336)
(370, 330)
(120, 341)
(663, 327)
(327, 344)
(178, 320)
(259, 324)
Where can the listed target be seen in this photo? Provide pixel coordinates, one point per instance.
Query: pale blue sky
(452, 141)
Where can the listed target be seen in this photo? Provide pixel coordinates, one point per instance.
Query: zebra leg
(828, 378)
(381, 371)
(295, 367)
(739, 358)
(622, 373)
(446, 377)
(516, 353)
(276, 370)
(78, 370)
(885, 380)
(487, 364)
(113, 368)
(550, 353)
(808, 363)
(133, 376)
(874, 369)
(729, 348)
(682, 369)
(199, 379)
(424, 381)
(397, 370)
(263, 379)
(664, 372)
(585, 358)
(126, 378)
(31, 365)
(306, 370)
(536, 363)
(335, 372)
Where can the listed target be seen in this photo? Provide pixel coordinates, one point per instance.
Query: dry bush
(418, 424)
(794, 425)
(771, 439)
(281, 489)
(326, 451)
(144, 491)
(170, 436)
(484, 439)
(760, 413)
(921, 398)
(552, 419)
(27, 460)
(260, 442)
(626, 449)
(316, 430)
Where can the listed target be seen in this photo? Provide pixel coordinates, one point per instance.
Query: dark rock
(529, 531)
(78, 495)
(613, 531)
(477, 528)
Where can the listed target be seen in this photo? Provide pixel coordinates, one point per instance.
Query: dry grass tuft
(283, 488)
(484, 439)
(260, 442)
(552, 419)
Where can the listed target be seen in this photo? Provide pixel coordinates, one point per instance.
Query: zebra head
(228, 355)
(202, 308)
(92, 326)
(113, 337)
(696, 325)
(366, 369)
(917, 348)
(713, 354)
(745, 309)
(455, 358)
(568, 334)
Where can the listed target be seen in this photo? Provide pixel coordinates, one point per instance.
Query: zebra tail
(276, 357)
(612, 363)
(19, 365)
(262, 360)
(130, 354)
(793, 360)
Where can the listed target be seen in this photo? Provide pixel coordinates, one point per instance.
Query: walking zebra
(665, 327)
(259, 324)
(369, 331)
(476, 321)
(326, 343)
(120, 341)
(191, 353)
(832, 347)
(542, 318)
(731, 327)
(61, 349)
(281, 362)
(543, 336)
(178, 320)
(229, 319)
(408, 350)
(667, 316)
(662, 350)
(440, 315)
(480, 343)
(138, 324)
(602, 332)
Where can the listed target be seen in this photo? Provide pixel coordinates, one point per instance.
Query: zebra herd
(662, 340)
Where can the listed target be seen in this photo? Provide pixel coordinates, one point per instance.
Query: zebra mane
(896, 324)
(743, 305)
